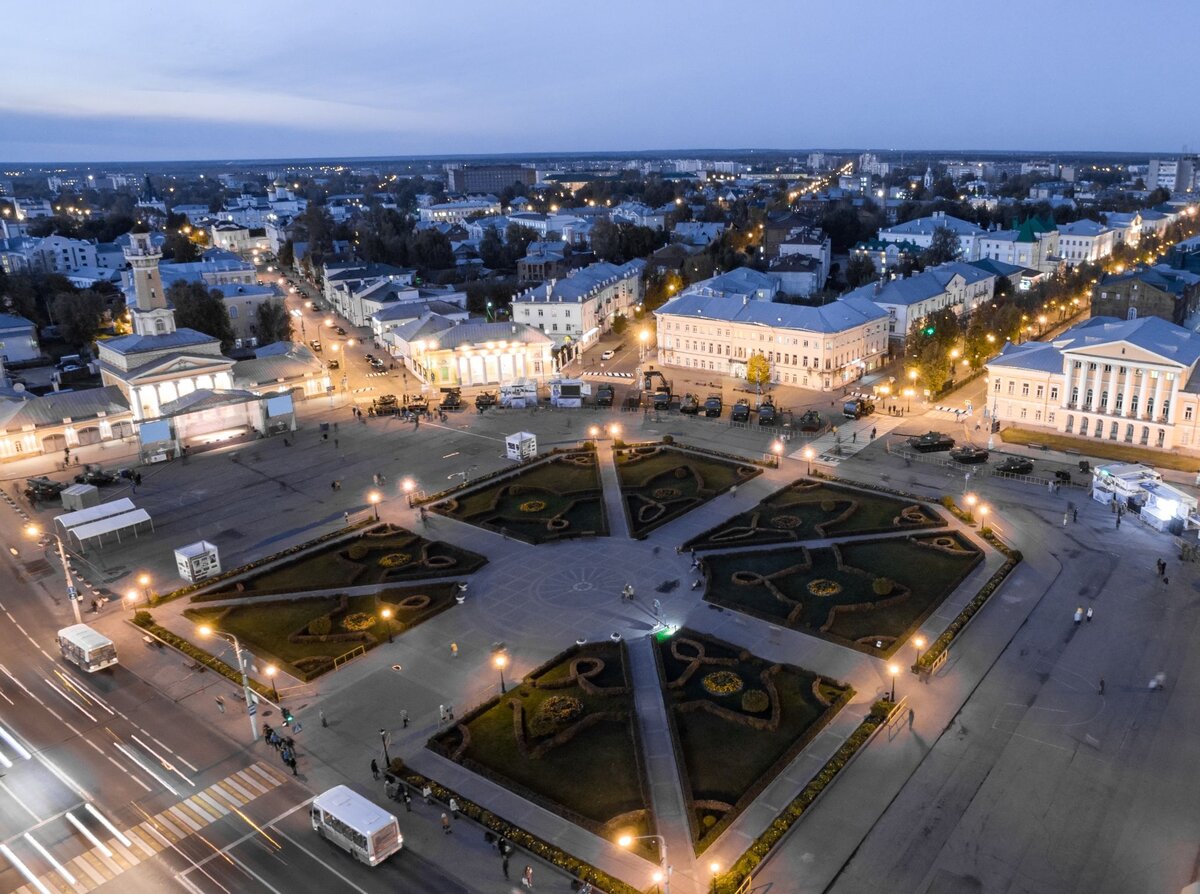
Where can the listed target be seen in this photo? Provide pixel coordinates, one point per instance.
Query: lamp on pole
(918, 645)
(809, 453)
(271, 670)
(777, 450)
(373, 498)
(626, 840)
(714, 868)
(144, 582)
(251, 705)
(387, 758)
(386, 614)
(500, 661)
(72, 593)
(893, 670)
(131, 597)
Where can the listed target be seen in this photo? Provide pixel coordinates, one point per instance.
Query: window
(1187, 414)
(1112, 432)
(1162, 437)
(1074, 397)
(1089, 397)
(1024, 389)
(1054, 392)
(1011, 387)
(997, 388)
(1083, 426)
(1050, 418)
(1070, 423)
(233, 312)
(1022, 412)
(1041, 390)
(1128, 434)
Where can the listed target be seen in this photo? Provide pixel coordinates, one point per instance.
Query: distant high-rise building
(1179, 175)
(488, 178)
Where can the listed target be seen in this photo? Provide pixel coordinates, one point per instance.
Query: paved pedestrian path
(852, 436)
(614, 499)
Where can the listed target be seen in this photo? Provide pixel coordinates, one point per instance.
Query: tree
(934, 367)
(79, 315)
(606, 240)
(943, 247)
(272, 322)
(619, 324)
(491, 249)
(758, 370)
(287, 254)
(179, 249)
(196, 307)
(860, 269)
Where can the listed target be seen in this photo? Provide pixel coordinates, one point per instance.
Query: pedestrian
(527, 877)
(1166, 581)
(454, 650)
(445, 824)
(442, 713)
(454, 808)
(1065, 519)
(404, 719)
(335, 443)
(220, 704)
(292, 764)
(1075, 515)
(911, 715)
(1118, 521)
(427, 794)
(872, 433)
(1089, 614)
(321, 714)
(1102, 686)
(335, 426)
(854, 438)
(346, 517)
(504, 864)
(1078, 615)
(374, 769)
(333, 485)
(407, 801)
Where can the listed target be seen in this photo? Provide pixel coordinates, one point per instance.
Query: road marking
(137, 760)
(182, 813)
(125, 772)
(269, 824)
(23, 869)
(165, 763)
(14, 744)
(24, 806)
(82, 710)
(103, 820)
(58, 867)
(322, 862)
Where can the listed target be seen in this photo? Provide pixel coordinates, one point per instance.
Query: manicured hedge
(602, 882)
(144, 620)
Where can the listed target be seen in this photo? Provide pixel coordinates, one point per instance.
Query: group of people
(284, 745)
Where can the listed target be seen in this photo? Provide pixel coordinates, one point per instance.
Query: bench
(1072, 450)
(1033, 446)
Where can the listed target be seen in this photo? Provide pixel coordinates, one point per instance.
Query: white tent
(94, 513)
(114, 524)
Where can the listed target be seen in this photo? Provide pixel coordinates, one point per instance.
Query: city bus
(358, 826)
(89, 649)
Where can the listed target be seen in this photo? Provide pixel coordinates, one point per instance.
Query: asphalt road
(193, 808)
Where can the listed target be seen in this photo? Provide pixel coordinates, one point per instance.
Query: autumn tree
(758, 370)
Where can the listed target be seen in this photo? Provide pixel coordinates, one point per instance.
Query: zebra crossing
(588, 374)
(108, 859)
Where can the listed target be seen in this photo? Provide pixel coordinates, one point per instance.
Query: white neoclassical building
(1130, 381)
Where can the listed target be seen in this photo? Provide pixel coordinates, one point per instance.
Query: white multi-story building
(741, 284)
(545, 224)
(582, 305)
(920, 232)
(1085, 242)
(1034, 244)
(811, 347)
(457, 212)
(957, 286)
(1127, 381)
(812, 243)
(61, 254)
(642, 215)
(349, 288)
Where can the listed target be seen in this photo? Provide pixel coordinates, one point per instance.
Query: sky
(117, 81)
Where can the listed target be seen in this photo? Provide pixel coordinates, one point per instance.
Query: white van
(356, 825)
(88, 648)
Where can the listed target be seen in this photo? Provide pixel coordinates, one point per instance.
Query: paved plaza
(1014, 774)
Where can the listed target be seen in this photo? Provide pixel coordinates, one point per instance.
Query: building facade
(1085, 242)
(584, 304)
(488, 178)
(920, 232)
(1126, 381)
(1160, 291)
(472, 354)
(811, 347)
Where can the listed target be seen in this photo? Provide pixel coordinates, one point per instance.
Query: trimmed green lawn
(661, 483)
(1101, 448)
(811, 510)
(727, 762)
(558, 499)
(594, 778)
(386, 554)
(775, 585)
(266, 627)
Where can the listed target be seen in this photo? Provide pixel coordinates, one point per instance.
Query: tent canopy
(115, 524)
(94, 513)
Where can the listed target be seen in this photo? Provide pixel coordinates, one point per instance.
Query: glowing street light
(809, 453)
(206, 630)
(32, 530)
(918, 645)
(665, 875)
(131, 597)
(714, 868)
(893, 669)
(373, 498)
(271, 670)
(500, 661)
(386, 614)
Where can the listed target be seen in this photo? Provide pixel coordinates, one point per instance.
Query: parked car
(378, 365)
(604, 397)
(370, 358)
(931, 442)
(608, 355)
(969, 454)
(740, 411)
(334, 364)
(340, 330)
(690, 405)
(1015, 465)
(315, 345)
(713, 406)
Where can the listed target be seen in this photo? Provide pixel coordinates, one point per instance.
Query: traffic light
(287, 716)
(929, 330)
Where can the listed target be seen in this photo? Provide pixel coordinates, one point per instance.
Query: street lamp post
(205, 630)
(626, 840)
(501, 661)
(918, 645)
(131, 597)
(72, 593)
(777, 449)
(387, 758)
(271, 670)
(386, 614)
(714, 868)
(144, 582)
(373, 498)
(809, 453)
(893, 670)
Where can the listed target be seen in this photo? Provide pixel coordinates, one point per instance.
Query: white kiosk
(197, 561)
(521, 446)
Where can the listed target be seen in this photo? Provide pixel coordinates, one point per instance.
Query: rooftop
(836, 316)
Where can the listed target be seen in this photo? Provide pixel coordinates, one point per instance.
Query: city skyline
(788, 78)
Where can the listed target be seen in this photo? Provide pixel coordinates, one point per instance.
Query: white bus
(86, 647)
(355, 824)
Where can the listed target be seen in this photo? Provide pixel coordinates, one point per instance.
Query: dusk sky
(159, 81)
